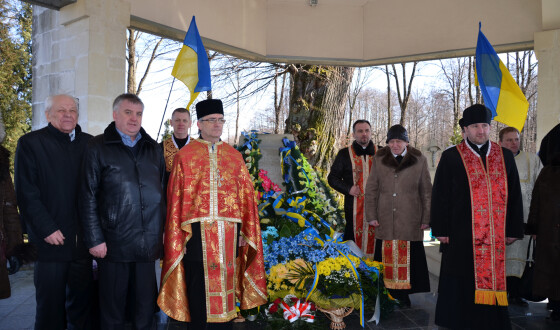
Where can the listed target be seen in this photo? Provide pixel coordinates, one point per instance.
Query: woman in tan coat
(398, 194)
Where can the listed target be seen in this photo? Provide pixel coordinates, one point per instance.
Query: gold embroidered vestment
(210, 184)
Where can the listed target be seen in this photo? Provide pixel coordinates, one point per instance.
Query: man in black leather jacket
(348, 176)
(47, 171)
(122, 212)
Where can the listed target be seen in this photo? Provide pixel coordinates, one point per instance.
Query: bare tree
(455, 73)
(278, 100)
(150, 49)
(525, 72)
(404, 95)
(389, 112)
(526, 77)
(359, 81)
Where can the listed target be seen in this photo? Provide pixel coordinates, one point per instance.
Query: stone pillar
(547, 50)
(80, 50)
(270, 160)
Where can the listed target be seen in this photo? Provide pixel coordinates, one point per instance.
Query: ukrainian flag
(501, 93)
(192, 66)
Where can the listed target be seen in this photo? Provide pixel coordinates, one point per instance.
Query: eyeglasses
(214, 120)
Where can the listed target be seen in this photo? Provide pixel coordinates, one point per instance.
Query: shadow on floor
(18, 312)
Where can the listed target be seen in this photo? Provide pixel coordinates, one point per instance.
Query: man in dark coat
(47, 168)
(550, 145)
(348, 176)
(476, 190)
(544, 225)
(122, 212)
(10, 228)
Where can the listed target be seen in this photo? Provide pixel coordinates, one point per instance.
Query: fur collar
(387, 159)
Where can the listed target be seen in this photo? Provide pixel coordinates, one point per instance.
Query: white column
(80, 50)
(547, 50)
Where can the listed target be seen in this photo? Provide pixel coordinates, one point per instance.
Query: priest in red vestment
(213, 246)
(476, 210)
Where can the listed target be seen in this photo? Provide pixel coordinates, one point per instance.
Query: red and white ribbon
(299, 310)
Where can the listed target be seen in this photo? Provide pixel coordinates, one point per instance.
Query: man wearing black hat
(476, 210)
(212, 218)
(398, 206)
(348, 176)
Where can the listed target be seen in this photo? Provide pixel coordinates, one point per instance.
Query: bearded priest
(476, 211)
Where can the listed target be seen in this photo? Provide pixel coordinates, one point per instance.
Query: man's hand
(55, 238)
(374, 223)
(355, 191)
(99, 251)
(424, 226)
(444, 239)
(241, 242)
(510, 240)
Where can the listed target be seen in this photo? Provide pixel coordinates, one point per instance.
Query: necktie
(399, 158)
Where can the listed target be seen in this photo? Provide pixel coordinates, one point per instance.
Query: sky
(157, 93)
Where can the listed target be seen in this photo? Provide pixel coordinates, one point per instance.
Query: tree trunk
(278, 99)
(131, 59)
(317, 99)
(237, 103)
(406, 88)
(471, 100)
(389, 112)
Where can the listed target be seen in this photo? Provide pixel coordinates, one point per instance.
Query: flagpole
(165, 110)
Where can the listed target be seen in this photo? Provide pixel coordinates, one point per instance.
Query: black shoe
(554, 316)
(518, 302)
(405, 302)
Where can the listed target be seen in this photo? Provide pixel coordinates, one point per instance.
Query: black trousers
(122, 282)
(512, 284)
(63, 291)
(196, 294)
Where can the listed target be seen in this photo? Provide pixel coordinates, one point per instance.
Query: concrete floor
(18, 311)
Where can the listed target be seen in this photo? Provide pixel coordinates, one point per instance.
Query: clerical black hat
(477, 113)
(397, 132)
(209, 107)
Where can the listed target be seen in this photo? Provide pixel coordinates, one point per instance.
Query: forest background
(317, 104)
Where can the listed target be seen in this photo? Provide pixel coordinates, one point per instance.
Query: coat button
(396, 175)
(394, 194)
(394, 210)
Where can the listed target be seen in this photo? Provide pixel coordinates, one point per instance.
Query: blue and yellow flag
(192, 66)
(501, 93)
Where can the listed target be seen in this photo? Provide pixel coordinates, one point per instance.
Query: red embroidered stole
(219, 244)
(169, 152)
(396, 264)
(488, 190)
(360, 173)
